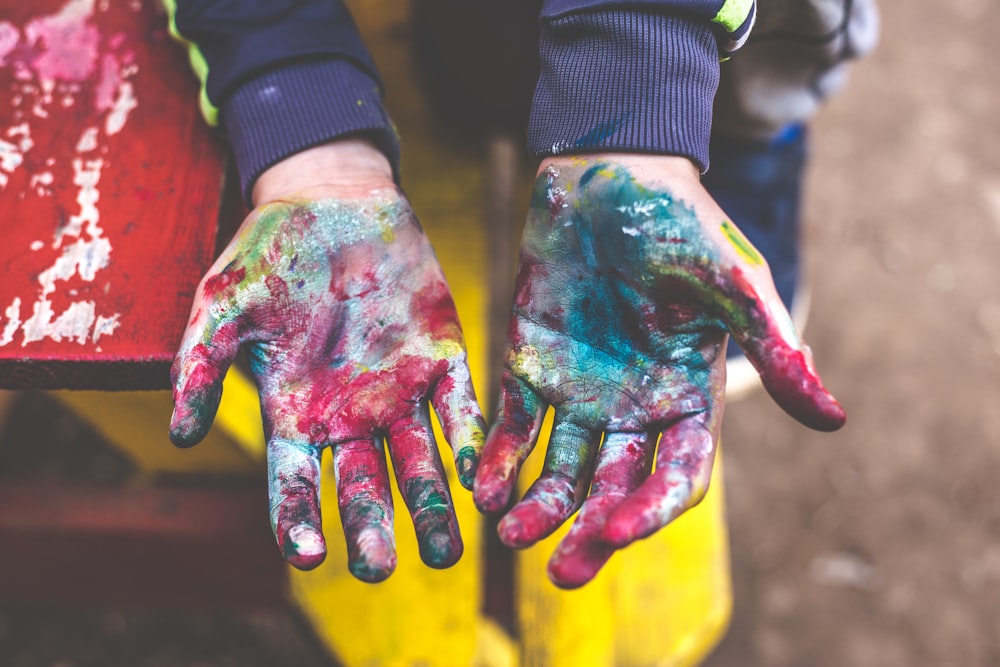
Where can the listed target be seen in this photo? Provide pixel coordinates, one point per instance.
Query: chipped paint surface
(62, 62)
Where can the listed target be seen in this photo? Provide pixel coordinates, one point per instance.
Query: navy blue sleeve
(632, 75)
(285, 75)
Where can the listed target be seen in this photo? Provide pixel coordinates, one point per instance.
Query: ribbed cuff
(285, 111)
(630, 81)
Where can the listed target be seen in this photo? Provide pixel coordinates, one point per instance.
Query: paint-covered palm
(630, 278)
(351, 331)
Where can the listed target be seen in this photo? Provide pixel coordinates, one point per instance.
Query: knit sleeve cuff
(632, 81)
(290, 109)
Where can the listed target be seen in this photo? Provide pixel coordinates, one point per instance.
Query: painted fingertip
(304, 547)
(522, 527)
(373, 557)
(466, 463)
(490, 495)
(193, 414)
(189, 426)
(799, 392)
(440, 549)
(573, 572)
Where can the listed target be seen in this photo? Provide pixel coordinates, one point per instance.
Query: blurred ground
(878, 545)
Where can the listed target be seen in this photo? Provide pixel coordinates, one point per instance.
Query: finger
(559, 490)
(454, 401)
(206, 352)
(510, 440)
(293, 489)
(683, 469)
(424, 488)
(365, 502)
(623, 462)
(764, 330)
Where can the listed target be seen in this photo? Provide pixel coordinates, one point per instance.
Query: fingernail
(372, 558)
(440, 549)
(305, 547)
(466, 463)
(520, 529)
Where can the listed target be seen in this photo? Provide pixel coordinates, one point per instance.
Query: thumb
(206, 352)
(763, 328)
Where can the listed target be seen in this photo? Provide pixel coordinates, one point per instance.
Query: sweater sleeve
(281, 76)
(632, 75)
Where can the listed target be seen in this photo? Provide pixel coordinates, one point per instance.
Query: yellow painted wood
(136, 423)
(664, 601)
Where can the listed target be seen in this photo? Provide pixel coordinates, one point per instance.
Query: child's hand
(630, 277)
(351, 331)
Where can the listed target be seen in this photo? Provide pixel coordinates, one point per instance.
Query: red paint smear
(557, 202)
(788, 374)
(530, 273)
(219, 282)
(581, 554)
(374, 399)
(435, 309)
(276, 286)
(794, 385)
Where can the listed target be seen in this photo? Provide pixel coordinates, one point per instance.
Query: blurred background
(877, 545)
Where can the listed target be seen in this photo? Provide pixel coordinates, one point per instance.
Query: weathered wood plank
(140, 547)
(109, 190)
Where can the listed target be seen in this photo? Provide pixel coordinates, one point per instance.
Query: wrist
(643, 167)
(352, 163)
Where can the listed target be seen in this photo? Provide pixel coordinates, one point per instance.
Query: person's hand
(630, 277)
(351, 329)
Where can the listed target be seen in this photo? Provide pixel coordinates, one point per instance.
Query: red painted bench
(110, 186)
(110, 191)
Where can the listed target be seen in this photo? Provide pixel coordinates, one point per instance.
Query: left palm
(624, 297)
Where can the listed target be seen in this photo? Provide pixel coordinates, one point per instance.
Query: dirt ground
(878, 545)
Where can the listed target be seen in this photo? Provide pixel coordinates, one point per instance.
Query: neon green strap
(198, 64)
(733, 14)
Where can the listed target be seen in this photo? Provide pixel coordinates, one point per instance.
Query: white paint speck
(86, 175)
(10, 157)
(88, 140)
(42, 182)
(83, 258)
(37, 245)
(124, 103)
(13, 314)
(73, 324)
(631, 231)
(105, 326)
